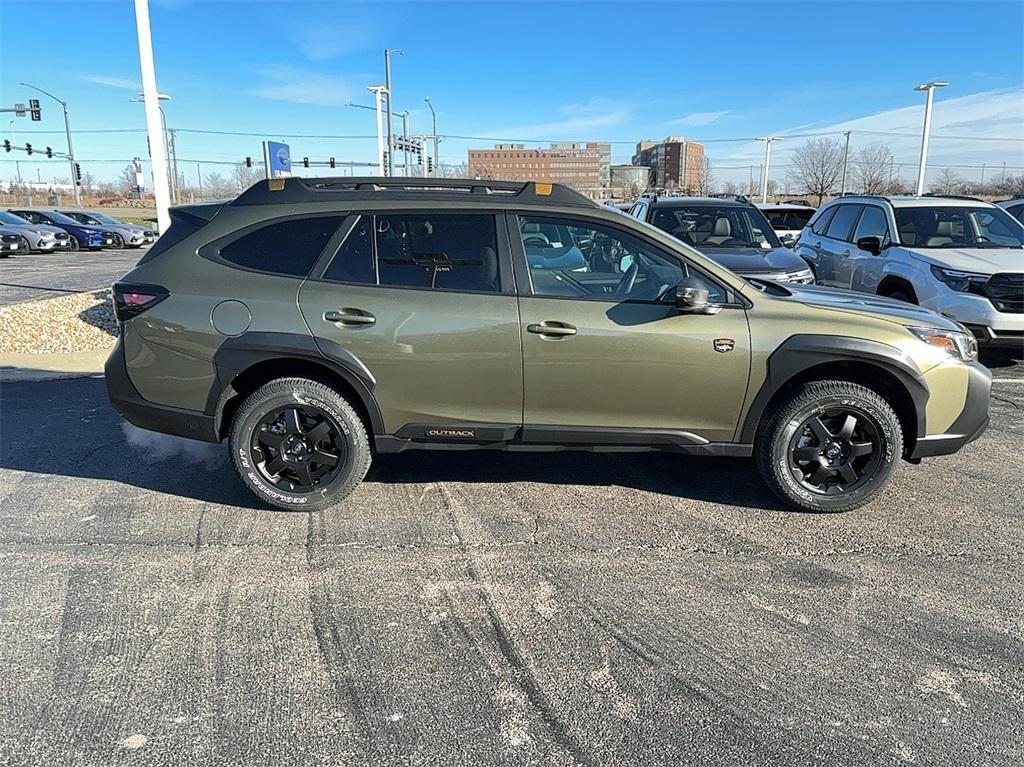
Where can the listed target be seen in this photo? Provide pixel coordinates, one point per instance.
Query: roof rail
(724, 196)
(296, 190)
(953, 196)
(868, 196)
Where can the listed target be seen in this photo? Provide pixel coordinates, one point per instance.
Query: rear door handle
(350, 317)
(552, 329)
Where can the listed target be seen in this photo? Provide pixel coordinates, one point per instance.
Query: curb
(48, 367)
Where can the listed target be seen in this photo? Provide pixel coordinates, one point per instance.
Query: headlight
(959, 344)
(958, 280)
(804, 276)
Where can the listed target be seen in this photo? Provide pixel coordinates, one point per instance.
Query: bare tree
(817, 166)
(948, 182)
(127, 177)
(729, 187)
(215, 185)
(872, 165)
(243, 177)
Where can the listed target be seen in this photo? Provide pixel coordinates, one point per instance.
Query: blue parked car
(81, 236)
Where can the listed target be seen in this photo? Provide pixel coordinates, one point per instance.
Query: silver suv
(959, 256)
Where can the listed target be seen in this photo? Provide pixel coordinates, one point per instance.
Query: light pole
(767, 164)
(156, 139)
(387, 86)
(172, 173)
(433, 116)
(67, 129)
(378, 92)
(846, 162)
(929, 89)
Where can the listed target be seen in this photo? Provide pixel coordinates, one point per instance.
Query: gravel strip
(77, 323)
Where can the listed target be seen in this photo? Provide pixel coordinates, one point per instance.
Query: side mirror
(787, 239)
(693, 300)
(871, 244)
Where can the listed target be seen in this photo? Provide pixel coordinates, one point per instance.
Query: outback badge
(724, 345)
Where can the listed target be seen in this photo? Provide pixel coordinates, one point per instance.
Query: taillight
(131, 300)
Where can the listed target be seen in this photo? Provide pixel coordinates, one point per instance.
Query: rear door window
(288, 248)
(872, 224)
(842, 222)
(822, 222)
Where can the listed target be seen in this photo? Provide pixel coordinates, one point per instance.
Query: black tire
(797, 463)
(73, 242)
(901, 294)
(118, 241)
(257, 446)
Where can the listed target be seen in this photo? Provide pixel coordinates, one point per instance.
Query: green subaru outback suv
(315, 322)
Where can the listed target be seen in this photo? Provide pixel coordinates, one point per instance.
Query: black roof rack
(868, 196)
(725, 196)
(953, 196)
(296, 190)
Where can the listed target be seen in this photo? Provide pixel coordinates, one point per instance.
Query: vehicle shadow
(76, 433)
(101, 314)
(994, 359)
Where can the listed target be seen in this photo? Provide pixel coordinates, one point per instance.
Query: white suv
(961, 257)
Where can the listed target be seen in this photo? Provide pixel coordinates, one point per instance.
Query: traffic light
(305, 162)
(430, 167)
(28, 149)
(384, 161)
(7, 145)
(248, 162)
(33, 108)
(78, 174)
(332, 162)
(49, 153)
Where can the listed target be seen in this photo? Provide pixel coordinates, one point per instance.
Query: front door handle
(846, 253)
(552, 329)
(350, 317)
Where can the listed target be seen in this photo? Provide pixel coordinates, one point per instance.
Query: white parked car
(959, 256)
(1014, 207)
(787, 219)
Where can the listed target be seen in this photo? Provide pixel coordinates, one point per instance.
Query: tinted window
(713, 226)
(822, 222)
(584, 260)
(30, 215)
(783, 220)
(287, 247)
(872, 224)
(958, 226)
(354, 259)
(842, 222)
(1017, 211)
(449, 251)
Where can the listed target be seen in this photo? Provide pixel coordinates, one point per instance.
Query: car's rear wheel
(829, 446)
(299, 445)
(73, 242)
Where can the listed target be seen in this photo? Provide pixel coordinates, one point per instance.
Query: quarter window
(590, 261)
(288, 248)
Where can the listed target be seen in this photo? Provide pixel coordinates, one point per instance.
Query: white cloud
(328, 41)
(113, 82)
(302, 86)
(698, 119)
(578, 121)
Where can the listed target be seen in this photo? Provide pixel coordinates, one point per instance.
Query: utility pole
(405, 141)
(767, 164)
(846, 162)
(437, 139)
(199, 176)
(983, 174)
(929, 89)
(156, 136)
(378, 92)
(387, 87)
(67, 130)
(174, 166)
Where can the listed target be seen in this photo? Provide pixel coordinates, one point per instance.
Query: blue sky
(613, 71)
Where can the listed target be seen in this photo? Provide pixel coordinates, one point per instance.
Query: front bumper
(146, 415)
(990, 326)
(969, 425)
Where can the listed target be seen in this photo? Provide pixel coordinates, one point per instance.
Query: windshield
(958, 227)
(60, 218)
(10, 218)
(788, 219)
(712, 226)
(103, 218)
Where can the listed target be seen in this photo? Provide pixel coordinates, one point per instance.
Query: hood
(865, 303)
(49, 228)
(753, 261)
(983, 260)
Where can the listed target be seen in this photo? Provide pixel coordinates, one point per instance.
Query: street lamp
(767, 163)
(433, 116)
(172, 166)
(405, 127)
(67, 129)
(929, 89)
(389, 107)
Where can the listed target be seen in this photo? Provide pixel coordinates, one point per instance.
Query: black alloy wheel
(118, 241)
(835, 451)
(73, 242)
(298, 448)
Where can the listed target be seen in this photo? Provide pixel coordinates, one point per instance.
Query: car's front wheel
(299, 445)
(829, 446)
(74, 243)
(118, 241)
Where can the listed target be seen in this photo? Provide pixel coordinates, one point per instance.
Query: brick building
(582, 166)
(675, 163)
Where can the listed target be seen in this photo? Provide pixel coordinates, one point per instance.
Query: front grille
(61, 235)
(10, 238)
(1006, 292)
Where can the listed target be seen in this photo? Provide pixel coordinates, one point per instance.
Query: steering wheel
(625, 286)
(536, 237)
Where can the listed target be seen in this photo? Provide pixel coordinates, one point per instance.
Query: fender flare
(802, 352)
(238, 354)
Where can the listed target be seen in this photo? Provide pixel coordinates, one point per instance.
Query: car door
(607, 357)
(809, 245)
(866, 268)
(836, 247)
(425, 301)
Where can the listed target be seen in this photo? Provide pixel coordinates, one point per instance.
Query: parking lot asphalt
(48, 275)
(498, 609)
